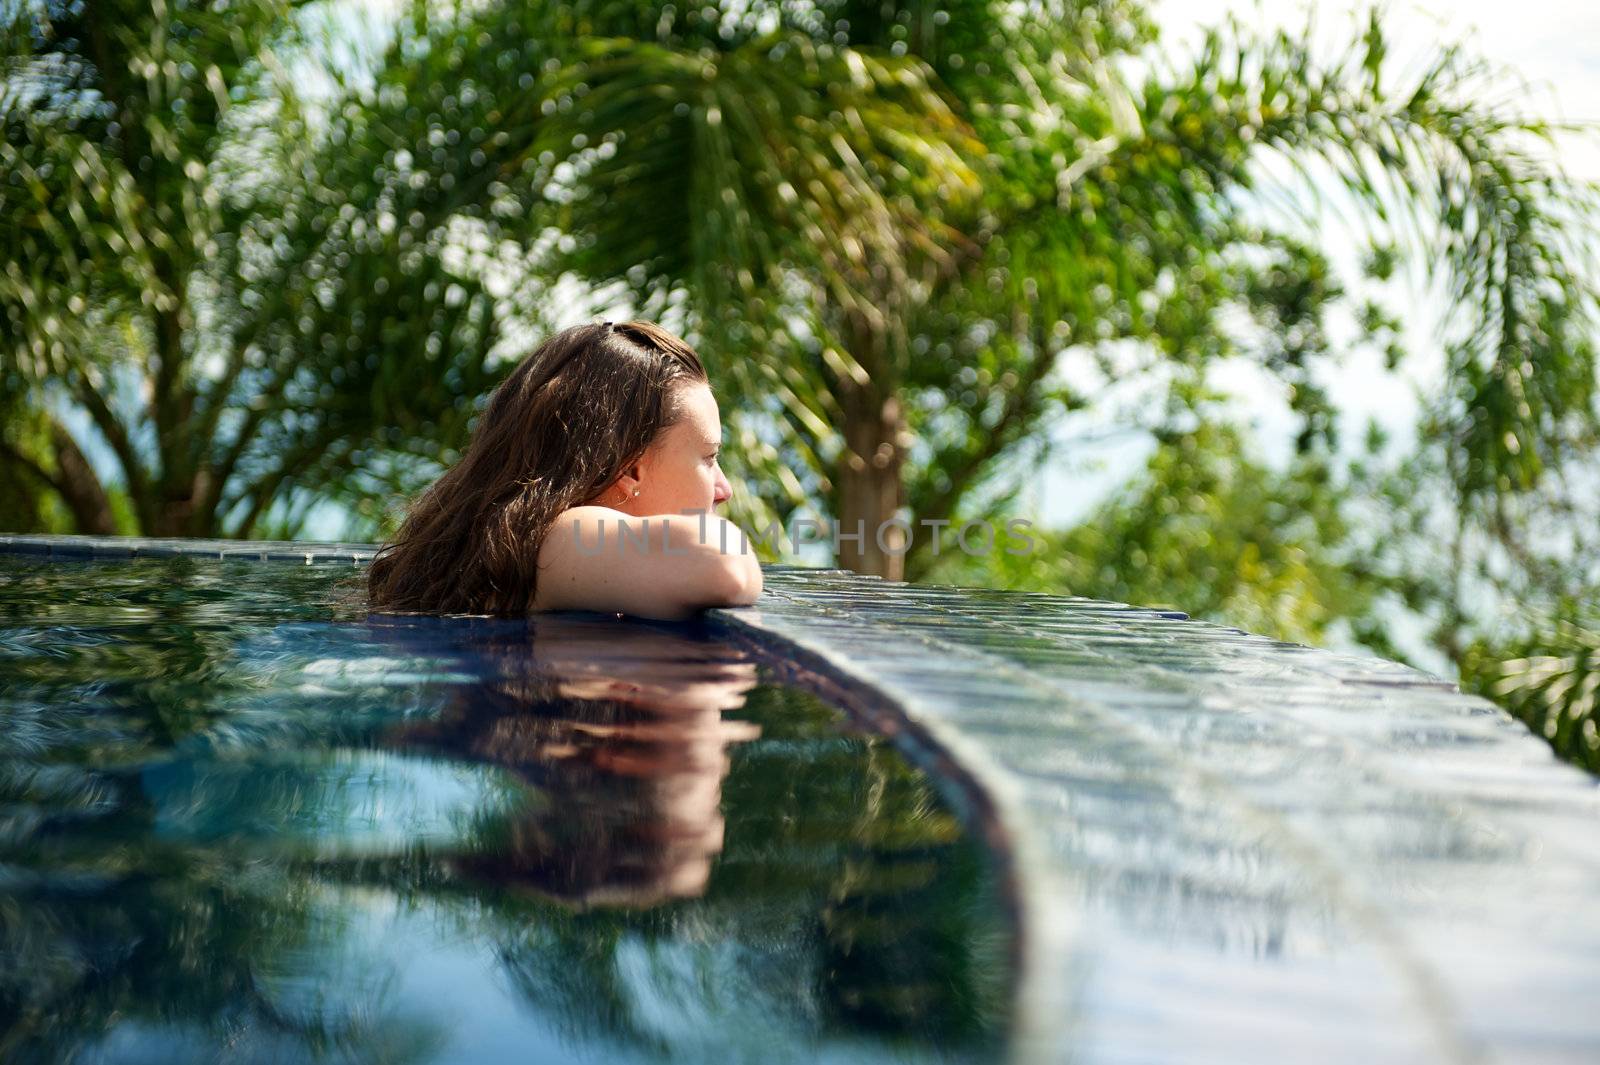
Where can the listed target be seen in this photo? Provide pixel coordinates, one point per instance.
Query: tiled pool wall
(1223, 847)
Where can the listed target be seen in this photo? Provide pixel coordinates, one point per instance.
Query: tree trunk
(869, 488)
(80, 489)
(176, 513)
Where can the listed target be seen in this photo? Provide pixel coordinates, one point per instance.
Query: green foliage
(1208, 531)
(1550, 684)
(237, 299)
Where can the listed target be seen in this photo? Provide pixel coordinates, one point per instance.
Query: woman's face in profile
(681, 470)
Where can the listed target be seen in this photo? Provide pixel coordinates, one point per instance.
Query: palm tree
(203, 281)
(887, 221)
(884, 222)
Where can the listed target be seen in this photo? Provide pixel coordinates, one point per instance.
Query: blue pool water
(242, 820)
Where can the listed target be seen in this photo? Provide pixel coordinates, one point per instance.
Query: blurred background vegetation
(261, 261)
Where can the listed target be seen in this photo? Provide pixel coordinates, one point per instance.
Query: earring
(635, 491)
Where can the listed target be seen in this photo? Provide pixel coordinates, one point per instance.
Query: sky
(1553, 44)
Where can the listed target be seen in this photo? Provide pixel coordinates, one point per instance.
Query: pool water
(241, 821)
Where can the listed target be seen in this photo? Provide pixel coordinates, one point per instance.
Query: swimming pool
(1197, 843)
(237, 818)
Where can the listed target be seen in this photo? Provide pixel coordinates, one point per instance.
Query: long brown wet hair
(573, 415)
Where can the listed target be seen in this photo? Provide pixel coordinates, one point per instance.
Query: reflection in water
(620, 729)
(232, 827)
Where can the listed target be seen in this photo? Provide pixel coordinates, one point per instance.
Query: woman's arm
(660, 566)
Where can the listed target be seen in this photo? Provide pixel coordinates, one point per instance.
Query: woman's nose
(723, 490)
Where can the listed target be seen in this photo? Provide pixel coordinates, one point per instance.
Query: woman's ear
(627, 482)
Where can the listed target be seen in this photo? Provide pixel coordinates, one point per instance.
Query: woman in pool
(589, 484)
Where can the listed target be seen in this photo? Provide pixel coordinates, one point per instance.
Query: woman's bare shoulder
(663, 567)
(574, 527)
(582, 529)
(586, 514)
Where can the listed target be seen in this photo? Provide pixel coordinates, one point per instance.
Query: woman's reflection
(619, 727)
